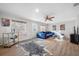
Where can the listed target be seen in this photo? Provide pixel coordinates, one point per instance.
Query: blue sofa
(45, 35)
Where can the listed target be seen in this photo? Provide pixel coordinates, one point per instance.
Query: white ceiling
(61, 11)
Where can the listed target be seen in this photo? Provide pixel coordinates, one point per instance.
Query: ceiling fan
(49, 18)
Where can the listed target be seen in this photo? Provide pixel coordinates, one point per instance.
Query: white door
(42, 28)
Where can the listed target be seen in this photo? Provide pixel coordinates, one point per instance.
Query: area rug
(33, 49)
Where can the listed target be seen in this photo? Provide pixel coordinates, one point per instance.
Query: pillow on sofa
(58, 34)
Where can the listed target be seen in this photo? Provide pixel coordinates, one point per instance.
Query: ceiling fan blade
(49, 18)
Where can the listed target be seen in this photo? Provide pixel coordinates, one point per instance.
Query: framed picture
(54, 27)
(62, 27)
(5, 22)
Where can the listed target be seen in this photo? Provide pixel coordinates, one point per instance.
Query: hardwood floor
(8, 51)
(13, 51)
(56, 48)
(63, 48)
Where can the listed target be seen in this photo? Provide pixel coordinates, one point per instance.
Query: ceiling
(61, 11)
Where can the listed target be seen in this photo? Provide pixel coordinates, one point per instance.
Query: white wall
(69, 27)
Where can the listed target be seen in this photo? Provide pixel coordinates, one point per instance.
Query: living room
(51, 26)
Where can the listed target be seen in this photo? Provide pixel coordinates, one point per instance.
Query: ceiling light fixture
(37, 10)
